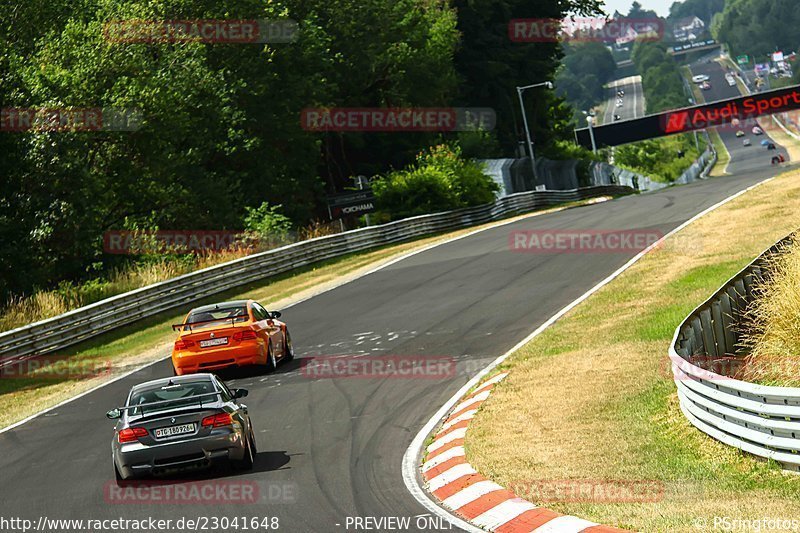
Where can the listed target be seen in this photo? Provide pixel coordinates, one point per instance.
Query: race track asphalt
(330, 449)
(633, 104)
(743, 158)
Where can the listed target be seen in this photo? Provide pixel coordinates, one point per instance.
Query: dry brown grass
(772, 332)
(592, 397)
(45, 304)
(41, 305)
(19, 311)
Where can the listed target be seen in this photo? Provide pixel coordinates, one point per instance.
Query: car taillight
(247, 335)
(218, 421)
(131, 434)
(181, 344)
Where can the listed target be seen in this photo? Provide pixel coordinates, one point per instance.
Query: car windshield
(178, 395)
(214, 317)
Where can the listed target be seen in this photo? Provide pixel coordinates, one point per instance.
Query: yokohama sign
(693, 118)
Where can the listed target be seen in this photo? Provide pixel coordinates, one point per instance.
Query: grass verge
(592, 398)
(723, 155)
(125, 349)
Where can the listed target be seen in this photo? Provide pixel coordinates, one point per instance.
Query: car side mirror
(275, 314)
(114, 414)
(240, 393)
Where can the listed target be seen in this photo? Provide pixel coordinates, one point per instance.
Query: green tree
(702, 9)
(758, 27)
(491, 66)
(661, 78)
(585, 70)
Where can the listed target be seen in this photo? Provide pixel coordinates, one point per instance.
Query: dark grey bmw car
(182, 422)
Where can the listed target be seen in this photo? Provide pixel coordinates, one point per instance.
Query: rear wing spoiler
(166, 402)
(233, 319)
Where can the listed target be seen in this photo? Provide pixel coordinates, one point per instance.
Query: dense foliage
(586, 69)
(221, 127)
(758, 27)
(660, 159)
(439, 180)
(703, 9)
(661, 78)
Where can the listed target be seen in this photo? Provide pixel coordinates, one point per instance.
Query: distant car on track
(740, 133)
(179, 423)
(700, 78)
(747, 142)
(705, 86)
(230, 334)
(757, 131)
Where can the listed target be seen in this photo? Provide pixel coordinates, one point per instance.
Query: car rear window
(223, 314)
(179, 395)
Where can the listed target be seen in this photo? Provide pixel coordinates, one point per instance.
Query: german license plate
(174, 430)
(214, 342)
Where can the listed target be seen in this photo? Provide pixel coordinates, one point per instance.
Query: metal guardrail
(759, 419)
(101, 317)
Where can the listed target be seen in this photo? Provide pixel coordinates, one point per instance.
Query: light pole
(520, 90)
(363, 183)
(590, 119)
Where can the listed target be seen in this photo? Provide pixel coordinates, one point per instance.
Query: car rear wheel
(287, 343)
(249, 456)
(118, 477)
(271, 363)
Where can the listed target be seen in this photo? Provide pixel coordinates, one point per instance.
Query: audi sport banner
(355, 203)
(692, 118)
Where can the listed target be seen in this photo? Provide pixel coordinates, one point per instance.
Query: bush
(440, 180)
(267, 224)
(659, 159)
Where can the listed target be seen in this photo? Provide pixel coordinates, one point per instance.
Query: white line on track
(380, 267)
(411, 459)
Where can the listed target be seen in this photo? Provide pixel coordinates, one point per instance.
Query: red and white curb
(484, 503)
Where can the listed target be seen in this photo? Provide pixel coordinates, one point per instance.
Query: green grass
(723, 156)
(593, 397)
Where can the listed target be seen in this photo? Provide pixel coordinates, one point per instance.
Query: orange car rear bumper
(188, 362)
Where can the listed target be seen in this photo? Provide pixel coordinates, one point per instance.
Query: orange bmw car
(230, 334)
